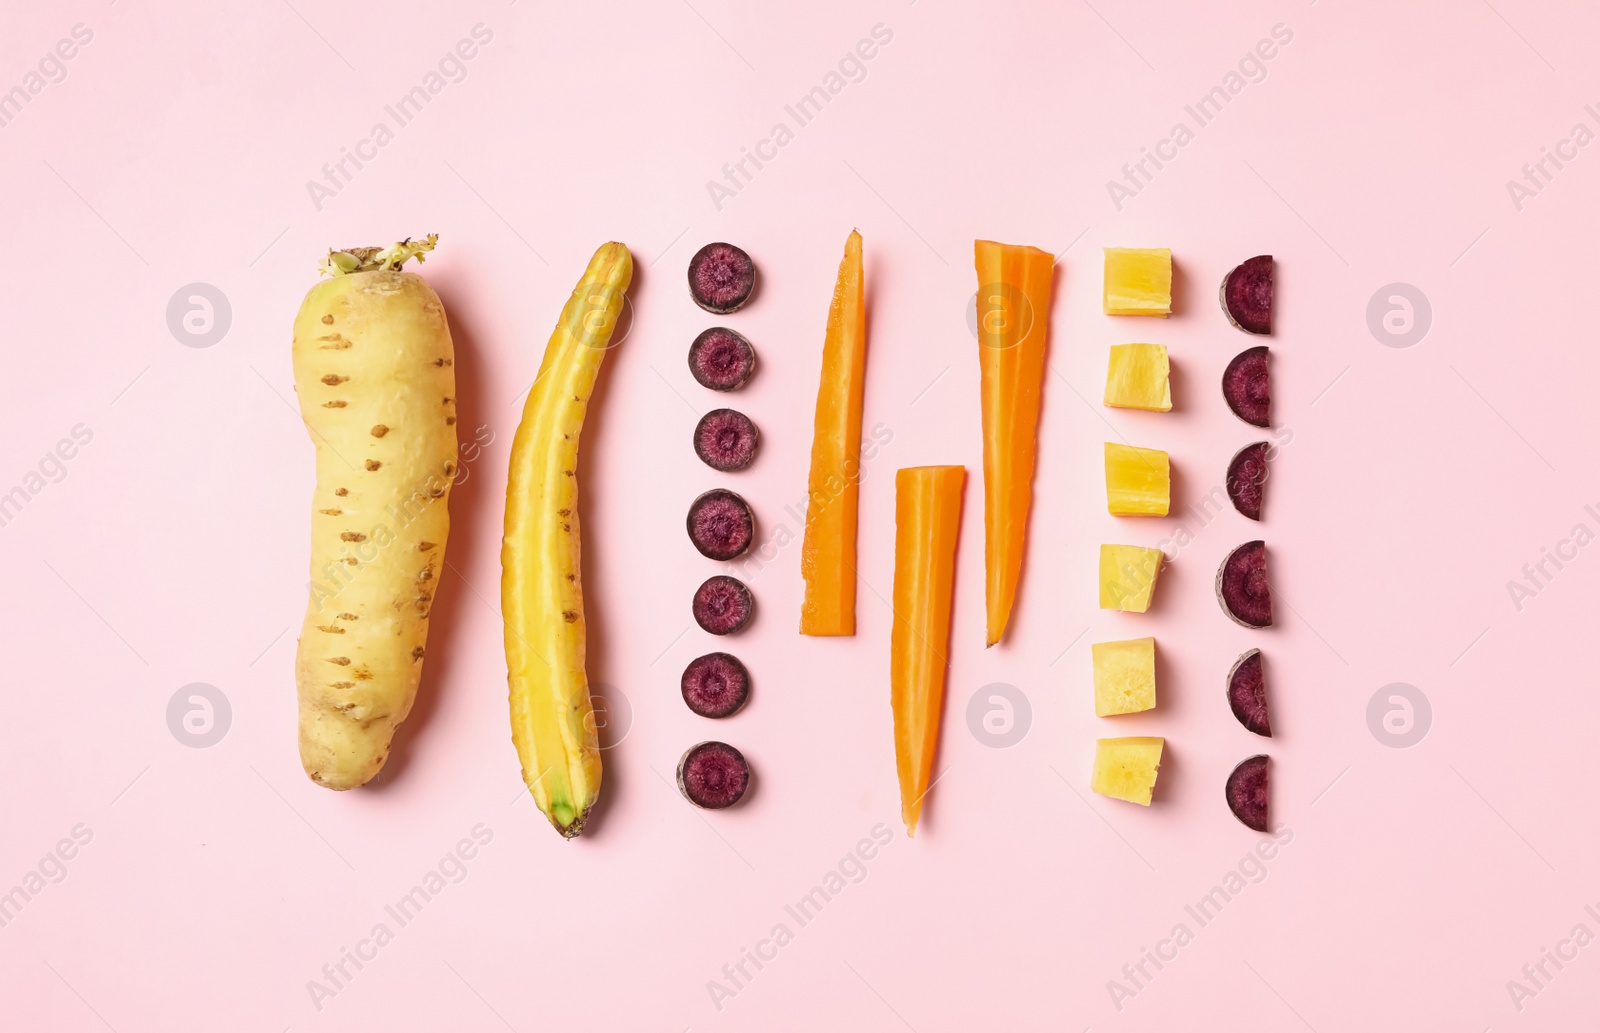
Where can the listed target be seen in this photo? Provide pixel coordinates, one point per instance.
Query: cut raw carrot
(828, 553)
(927, 513)
(1013, 313)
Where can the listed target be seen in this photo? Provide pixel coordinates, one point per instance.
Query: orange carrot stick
(828, 553)
(1013, 324)
(927, 514)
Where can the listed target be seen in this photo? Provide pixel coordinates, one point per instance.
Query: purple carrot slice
(1247, 693)
(722, 605)
(721, 278)
(720, 524)
(726, 440)
(1247, 295)
(1248, 792)
(715, 685)
(713, 775)
(722, 359)
(1247, 478)
(1247, 388)
(1242, 587)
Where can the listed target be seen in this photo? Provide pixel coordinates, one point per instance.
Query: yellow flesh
(1128, 577)
(1138, 377)
(1138, 281)
(374, 371)
(1125, 769)
(552, 720)
(1138, 481)
(1124, 677)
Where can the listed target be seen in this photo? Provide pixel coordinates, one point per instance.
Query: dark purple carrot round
(1247, 388)
(726, 440)
(715, 685)
(1248, 792)
(722, 605)
(1247, 693)
(1247, 478)
(721, 278)
(722, 359)
(1247, 295)
(720, 524)
(713, 775)
(1242, 587)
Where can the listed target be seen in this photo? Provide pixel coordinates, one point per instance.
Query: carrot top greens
(363, 259)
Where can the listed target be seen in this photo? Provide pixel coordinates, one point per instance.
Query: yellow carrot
(828, 553)
(1013, 323)
(552, 718)
(927, 514)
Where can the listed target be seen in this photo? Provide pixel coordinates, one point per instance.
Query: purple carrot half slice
(1247, 693)
(1247, 295)
(1249, 792)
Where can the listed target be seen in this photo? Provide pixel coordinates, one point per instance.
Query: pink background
(218, 882)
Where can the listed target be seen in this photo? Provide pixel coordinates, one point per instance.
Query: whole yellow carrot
(927, 515)
(828, 552)
(1013, 323)
(552, 719)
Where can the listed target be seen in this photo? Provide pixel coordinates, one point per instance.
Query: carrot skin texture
(552, 716)
(828, 552)
(927, 521)
(1013, 327)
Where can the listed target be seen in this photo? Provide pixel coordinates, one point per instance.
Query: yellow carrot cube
(1124, 676)
(1138, 281)
(1128, 577)
(1138, 481)
(1125, 769)
(1137, 377)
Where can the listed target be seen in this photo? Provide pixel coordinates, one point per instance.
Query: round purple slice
(715, 685)
(721, 278)
(1247, 478)
(726, 440)
(1248, 792)
(713, 775)
(722, 605)
(722, 359)
(1247, 295)
(720, 524)
(1247, 693)
(1247, 388)
(1242, 587)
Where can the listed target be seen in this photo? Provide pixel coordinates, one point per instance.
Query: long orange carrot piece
(828, 553)
(927, 513)
(1013, 324)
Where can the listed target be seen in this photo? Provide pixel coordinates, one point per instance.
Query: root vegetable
(828, 551)
(552, 718)
(927, 517)
(1013, 312)
(374, 371)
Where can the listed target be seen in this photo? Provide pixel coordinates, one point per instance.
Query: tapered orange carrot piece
(1013, 324)
(927, 514)
(828, 553)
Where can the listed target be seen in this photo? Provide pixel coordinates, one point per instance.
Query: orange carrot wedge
(927, 513)
(1013, 323)
(828, 553)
